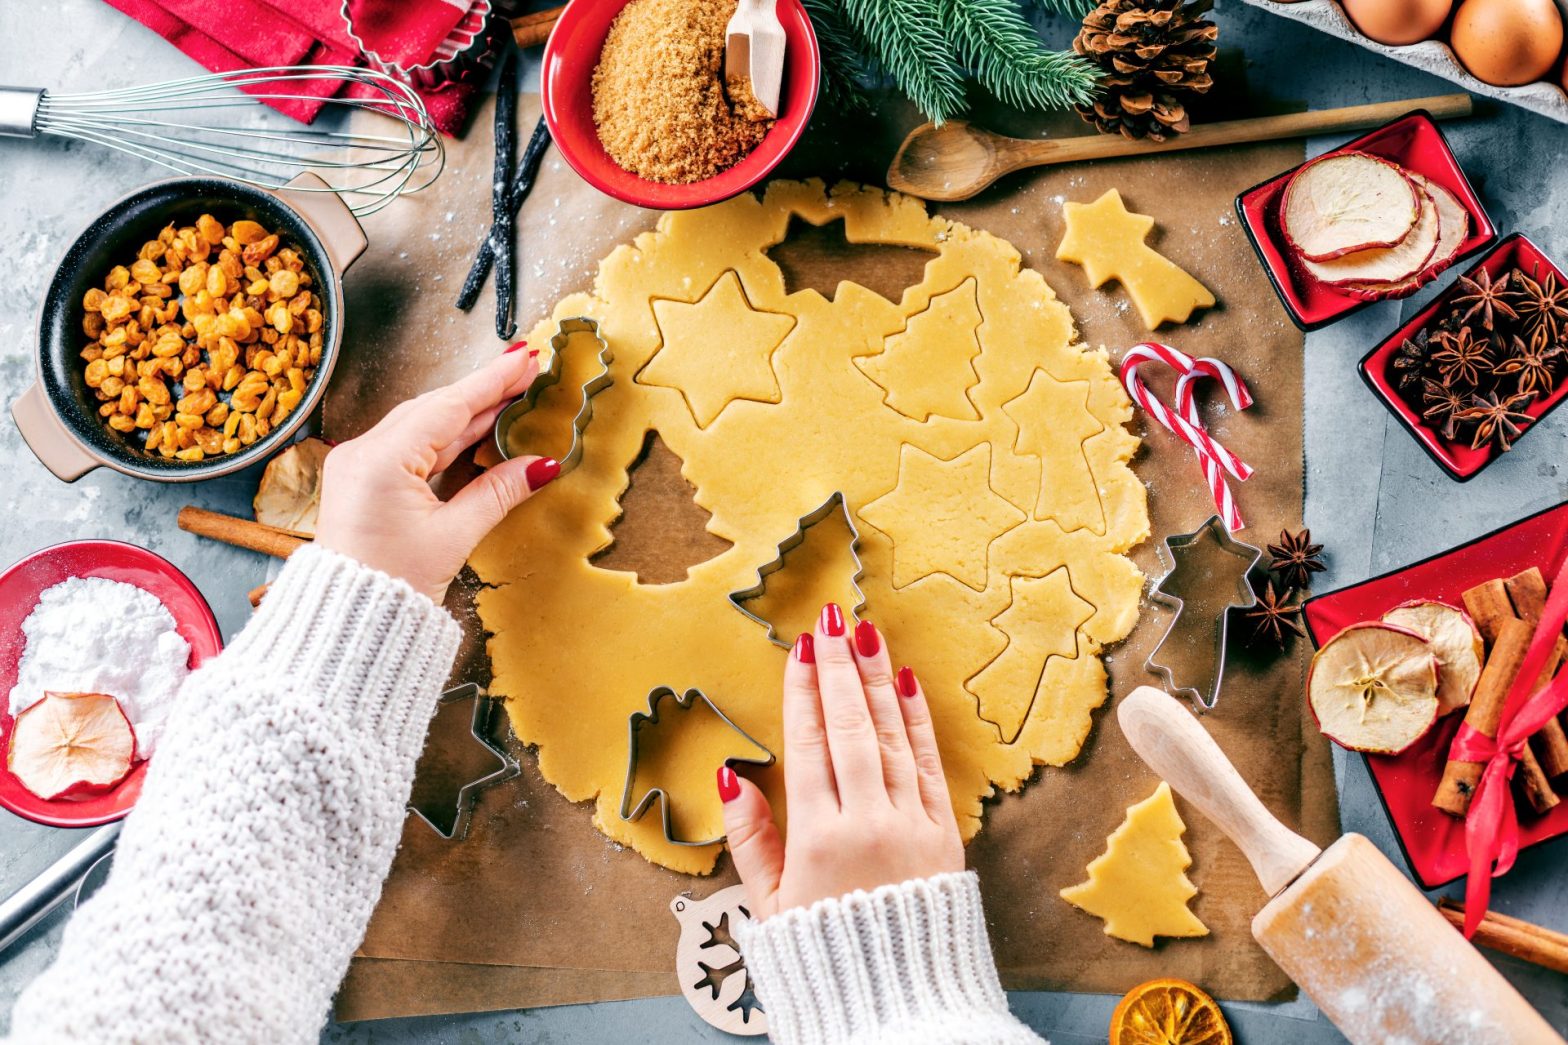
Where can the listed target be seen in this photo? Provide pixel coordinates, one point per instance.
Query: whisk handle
(19, 111)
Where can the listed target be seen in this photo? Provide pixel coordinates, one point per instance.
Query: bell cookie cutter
(1214, 531)
(835, 503)
(637, 721)
(592, 387)
(479, 729)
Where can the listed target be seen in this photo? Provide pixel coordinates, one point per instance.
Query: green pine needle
(1073, 8)
(1005, 54)
(906, 37)
(846, 69)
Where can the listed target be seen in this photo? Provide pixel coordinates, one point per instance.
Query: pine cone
(1154, 53)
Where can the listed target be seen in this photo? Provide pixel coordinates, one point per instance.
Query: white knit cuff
(908, 962)
(354, 642)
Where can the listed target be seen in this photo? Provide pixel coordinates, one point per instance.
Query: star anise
(1295, 558)
(1462, 358)
(1483, 297)
(1275, 616)
(1442, 406)
(1498, 418)
(1543, 304)
(1531, 364)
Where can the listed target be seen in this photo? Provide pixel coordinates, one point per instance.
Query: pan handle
(340, 232)
(53, 444)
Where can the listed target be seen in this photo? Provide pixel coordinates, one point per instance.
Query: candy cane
(1185, 423)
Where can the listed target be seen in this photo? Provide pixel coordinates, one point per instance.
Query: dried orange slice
(70, 744)
(1168, 1012)
(1373, 687)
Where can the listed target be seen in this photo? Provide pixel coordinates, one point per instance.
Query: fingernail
(729, 784)
(533, 353)
(832, 619)
(542, 471)
(805, 648)
(906, 682)
(515, 346)
(866, 639)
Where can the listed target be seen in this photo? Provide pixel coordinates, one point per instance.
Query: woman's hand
(376, 503)
(868, 803)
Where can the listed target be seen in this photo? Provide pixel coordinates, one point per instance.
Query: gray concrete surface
(1372, 496)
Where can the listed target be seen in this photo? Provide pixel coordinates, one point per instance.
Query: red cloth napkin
(232, 35)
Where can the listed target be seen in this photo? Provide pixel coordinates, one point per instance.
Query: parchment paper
(534, 885)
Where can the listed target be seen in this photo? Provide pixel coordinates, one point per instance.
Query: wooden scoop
(754, 50)
(1358, 937)
(957, 160)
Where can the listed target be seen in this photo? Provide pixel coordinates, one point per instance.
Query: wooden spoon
(754, 50)
(957, 160)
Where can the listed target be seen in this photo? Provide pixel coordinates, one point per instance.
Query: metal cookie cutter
(835, 503)
(484, 714)
(1177, 598)
(638, 720)
(592, 387)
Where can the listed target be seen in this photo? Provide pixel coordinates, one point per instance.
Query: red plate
(1457, 459)
(20, 587)
(566, 93)
(1414, 142)
(1434, 842)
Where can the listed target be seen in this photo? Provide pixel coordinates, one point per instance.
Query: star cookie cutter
(637, 721)
(835, 503)
(479, 729)
(1213, 531)
(592, 387)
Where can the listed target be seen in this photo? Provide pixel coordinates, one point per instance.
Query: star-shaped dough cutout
(1041, 622)
(1107, 240)
(1053, 422)
(942, 516)
(722, 332)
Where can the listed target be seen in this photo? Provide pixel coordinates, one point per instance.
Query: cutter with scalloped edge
(635, 723)
(592, 387)
(836, 502)
(484, 711)
(1214, 527)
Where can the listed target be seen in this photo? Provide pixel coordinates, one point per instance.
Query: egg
(1398, 22)
(1507, 42)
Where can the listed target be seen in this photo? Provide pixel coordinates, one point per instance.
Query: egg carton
(1431, 56)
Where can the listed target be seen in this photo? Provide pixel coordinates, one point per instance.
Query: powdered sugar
(95, 635)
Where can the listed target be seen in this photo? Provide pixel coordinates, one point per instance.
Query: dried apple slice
(1373, 687)
(71, 744)
(1347, 202)
(1452, 230)
(1384, 264)
(1456, 642)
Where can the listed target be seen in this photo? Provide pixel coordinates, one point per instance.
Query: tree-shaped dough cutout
(1139, 885)
(662, 532)
(816, 564)
(928, 367)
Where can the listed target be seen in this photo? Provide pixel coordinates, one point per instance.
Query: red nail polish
(906, 683)
(805, 648)
(515, 346)
(542, 471)
(729, 784)
(866, 639)
(533, 353)
(832, 619)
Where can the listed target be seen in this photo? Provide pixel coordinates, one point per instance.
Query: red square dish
(1414, 142)
(1434, 842)
(1457, 459)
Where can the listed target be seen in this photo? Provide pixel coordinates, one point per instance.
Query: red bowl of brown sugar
(664, 133)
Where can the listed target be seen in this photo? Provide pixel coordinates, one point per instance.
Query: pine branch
(1072, 8)
(906, 38)
(1004, 51)
(846, 68)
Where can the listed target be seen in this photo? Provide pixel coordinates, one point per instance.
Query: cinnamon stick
(1515, 936)
(1527, 591)
(242, 533)
(533, 29)
(1490, 607)
(255, 594)
(1485, 714)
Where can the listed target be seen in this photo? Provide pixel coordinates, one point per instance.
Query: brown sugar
(658, 92)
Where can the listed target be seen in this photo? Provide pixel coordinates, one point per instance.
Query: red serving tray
(1457, 459)
(1434, 842)
(20, 587)
(1413, 141)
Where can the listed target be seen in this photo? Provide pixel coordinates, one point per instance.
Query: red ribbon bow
(1492, 824)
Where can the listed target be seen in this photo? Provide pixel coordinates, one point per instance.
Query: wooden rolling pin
(533, 29)
(1359, 938)
(957, 160)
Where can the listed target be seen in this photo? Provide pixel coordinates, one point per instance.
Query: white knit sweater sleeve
(247, 872)
(906, 963)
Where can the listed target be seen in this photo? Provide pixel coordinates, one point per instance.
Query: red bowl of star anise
(1482, 364)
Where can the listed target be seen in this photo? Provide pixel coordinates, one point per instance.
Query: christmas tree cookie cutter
(634, 725)
(1180, 595)
(479, 729)
(835, 503)
(552, 376)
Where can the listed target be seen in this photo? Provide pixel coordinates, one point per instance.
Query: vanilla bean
(502, 240)
(522, 185)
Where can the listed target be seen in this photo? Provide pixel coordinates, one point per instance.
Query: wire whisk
(168, 124)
